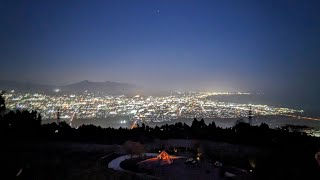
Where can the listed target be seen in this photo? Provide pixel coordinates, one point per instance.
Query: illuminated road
(135, 121)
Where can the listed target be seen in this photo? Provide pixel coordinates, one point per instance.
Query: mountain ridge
(108, 87)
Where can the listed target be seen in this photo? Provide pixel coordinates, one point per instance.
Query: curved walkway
(115, 164)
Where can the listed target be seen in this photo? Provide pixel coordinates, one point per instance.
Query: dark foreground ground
(58, 161)
(83, 161)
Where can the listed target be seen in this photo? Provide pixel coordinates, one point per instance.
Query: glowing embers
(165, 158)
(162, 159)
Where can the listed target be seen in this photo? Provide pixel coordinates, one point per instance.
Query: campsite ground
(68, 160)
(179, 169)
(59, 160)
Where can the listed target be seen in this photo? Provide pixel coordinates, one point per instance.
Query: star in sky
(156, 12)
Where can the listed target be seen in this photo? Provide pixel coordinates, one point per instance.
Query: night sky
(267, 46)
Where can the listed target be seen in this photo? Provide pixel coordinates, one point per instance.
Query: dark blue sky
(271, 46)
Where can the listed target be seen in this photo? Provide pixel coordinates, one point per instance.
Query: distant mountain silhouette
(113, 88)
(107, 87)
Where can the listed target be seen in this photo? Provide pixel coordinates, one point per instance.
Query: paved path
(115, 164)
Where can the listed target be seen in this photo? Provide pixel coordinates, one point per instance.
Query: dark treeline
(290, 147)
(27, 124)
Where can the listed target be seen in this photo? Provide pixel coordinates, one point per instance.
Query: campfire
(163, 159)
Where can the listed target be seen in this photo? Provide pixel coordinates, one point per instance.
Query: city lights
(146, 109)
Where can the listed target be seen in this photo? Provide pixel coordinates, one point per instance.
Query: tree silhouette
(2, 104)
(212, 125)
(195, 124)
(264, 126)
(202, 124)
